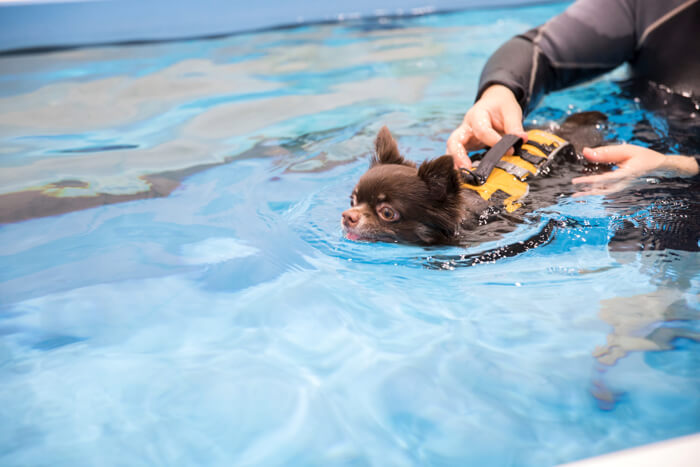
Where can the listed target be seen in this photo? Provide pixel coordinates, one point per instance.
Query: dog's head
(396, 202)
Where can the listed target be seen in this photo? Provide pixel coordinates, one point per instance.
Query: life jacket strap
(506, 176)
(518, 172)
(490, 160)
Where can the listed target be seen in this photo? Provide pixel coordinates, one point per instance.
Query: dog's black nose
(351, 217)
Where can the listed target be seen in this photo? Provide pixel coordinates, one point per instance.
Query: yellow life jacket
(508, 174)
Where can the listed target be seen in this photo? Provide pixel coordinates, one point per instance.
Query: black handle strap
(490, 159)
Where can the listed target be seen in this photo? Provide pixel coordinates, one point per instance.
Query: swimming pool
(175, 288)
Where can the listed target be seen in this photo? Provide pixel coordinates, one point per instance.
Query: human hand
(633, 162)
(496, 113)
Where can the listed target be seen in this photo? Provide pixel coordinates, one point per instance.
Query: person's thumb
(456, 148)
(513, 124)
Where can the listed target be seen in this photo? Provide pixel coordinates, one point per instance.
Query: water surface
(175, 288)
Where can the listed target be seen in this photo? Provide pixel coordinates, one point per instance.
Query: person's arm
(632, 162)
(590, 38)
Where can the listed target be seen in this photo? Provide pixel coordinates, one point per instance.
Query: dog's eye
(353, 201)
(387, 213)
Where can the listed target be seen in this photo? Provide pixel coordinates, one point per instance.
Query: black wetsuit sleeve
(512, 66)
(590, 38)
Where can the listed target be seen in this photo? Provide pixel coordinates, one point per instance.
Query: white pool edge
(676, 452)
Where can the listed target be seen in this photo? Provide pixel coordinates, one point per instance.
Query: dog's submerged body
(395, 201)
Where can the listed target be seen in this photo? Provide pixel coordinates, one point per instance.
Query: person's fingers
(513, 123)
(480, 121)
(455, 147)
(602, 189)
(455, 143)
(462, 162)
(601, 178)
(607, 154)
(461, 159)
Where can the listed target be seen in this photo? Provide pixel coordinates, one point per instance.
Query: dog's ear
(386, 151)
(441, 177)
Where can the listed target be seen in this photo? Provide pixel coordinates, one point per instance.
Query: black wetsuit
(660, 40)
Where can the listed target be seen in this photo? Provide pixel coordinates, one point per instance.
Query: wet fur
(430, 199)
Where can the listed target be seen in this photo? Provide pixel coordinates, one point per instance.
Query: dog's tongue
(352, 236)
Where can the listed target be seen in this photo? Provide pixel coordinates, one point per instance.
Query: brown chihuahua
(396, 202)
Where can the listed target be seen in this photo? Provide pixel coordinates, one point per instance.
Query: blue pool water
(230, 323)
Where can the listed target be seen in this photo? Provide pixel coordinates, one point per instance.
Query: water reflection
(121, 118)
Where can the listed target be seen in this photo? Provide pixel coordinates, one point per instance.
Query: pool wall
(55, 24)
